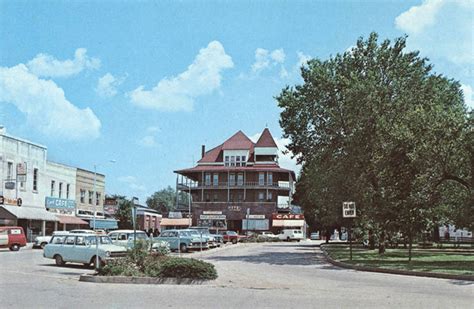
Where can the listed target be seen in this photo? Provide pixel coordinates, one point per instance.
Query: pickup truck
(231, 236)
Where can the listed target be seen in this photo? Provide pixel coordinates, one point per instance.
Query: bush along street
(140, 263)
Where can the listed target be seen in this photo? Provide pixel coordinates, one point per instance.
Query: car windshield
(231, 233)
(104, 240)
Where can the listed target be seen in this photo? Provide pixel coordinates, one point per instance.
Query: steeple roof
(266, 140)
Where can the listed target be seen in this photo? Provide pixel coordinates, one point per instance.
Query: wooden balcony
(234, 185)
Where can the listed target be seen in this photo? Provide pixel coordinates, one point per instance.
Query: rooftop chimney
(203, 151)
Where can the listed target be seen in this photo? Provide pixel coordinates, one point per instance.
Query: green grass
(459, 262)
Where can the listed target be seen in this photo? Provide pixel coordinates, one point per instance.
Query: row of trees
(376, 126)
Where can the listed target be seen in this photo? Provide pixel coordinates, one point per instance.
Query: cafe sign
(59, 203)
(287, 217)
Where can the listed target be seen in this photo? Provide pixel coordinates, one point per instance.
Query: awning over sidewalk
(288, 223)
(71, 220)
(174, 222)
(30, 213)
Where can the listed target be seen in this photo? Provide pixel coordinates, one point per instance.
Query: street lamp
(135, 203)
(94, 199)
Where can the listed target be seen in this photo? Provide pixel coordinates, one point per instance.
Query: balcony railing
(243, 204)
(235, 185)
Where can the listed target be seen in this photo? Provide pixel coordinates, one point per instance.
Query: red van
(12, 237)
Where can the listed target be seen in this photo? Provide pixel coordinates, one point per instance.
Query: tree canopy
(376, 126)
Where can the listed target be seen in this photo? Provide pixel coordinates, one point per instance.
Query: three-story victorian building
(237, 185)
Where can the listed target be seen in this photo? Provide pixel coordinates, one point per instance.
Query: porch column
(43, 228)
(177, 177)
(55, 225)
(228, 188)
(245, 185)
(202, 187)
(64, 226)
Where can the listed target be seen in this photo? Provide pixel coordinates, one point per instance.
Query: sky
(136, 87)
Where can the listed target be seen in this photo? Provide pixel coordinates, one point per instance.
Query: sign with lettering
(21, 169)
(348, 210)
(255, 216)
(212, 217)
(233, 208)
(10, 201)
(9, 185)
(110, 202)
(207, 212)
(59, 203)
(287, 217)
(175, 215)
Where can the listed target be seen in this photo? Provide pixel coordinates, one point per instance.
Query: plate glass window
(261, 179)
(215, 179)
(240, 179)
(232, 179)
(35, 180)
(208, 179)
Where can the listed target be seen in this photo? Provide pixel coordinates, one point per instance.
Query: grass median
(446, 261)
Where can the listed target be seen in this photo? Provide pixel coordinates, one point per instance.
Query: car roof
(78, 234)
(125, 231)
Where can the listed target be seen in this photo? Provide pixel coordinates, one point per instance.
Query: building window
(240, 179)
(10, 171)
(208, 179)
(239, 197)
(261, 196)
(232, 179)
(208, 198)
(215, 179)
(97, 198)
(53, 183)
(215, 197)
(68, 186)
(244, 161)
(270, 179)
(226, 162)
(83, 196)
(237, 159)
(269, 196)
(261, 179)
(91, 195)
(22, 185)
(35, 180)
(232, 161)
(60, 190)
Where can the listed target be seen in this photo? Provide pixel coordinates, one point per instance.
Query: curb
(141, 280)
(394, 271)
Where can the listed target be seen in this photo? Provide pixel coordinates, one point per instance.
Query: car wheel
(93, 260)
(288, 239)
(14, 247)
(59, 260)
(234, 241)
(43, 244)
(183, 248)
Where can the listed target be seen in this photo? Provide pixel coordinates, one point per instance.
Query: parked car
(183, 240)
(42, 241)
(289, 235)
(81, 248)
(267, 235)
(211, 238)
(125, 238)
(12, 237)
(314, 236)
(231, 236)
(219, 237)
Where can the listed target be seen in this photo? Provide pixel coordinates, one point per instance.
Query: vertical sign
(348, 210)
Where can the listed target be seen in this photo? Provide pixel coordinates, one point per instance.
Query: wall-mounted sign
(10, 185)
(234, 208)
(175, 215)
(60, 203)
(212, 217)
(10, 201)
(110, 202)
(21, 169)
(255, 216)
(207, 212)
(287, 217)
(348, 210)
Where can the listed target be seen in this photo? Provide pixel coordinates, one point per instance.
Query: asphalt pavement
(262, 275)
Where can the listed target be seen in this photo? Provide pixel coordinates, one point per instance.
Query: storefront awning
(174, 222)
(71, 220)
(288, 223)
(30, 213)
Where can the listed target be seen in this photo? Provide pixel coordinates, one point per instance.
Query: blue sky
(145, 83)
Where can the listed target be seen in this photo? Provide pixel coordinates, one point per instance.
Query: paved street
(271, 275)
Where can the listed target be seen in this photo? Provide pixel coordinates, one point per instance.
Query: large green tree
(163, 200)
(375, 125)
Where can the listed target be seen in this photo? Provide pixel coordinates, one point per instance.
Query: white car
(290, 235)
(124, 238)
(42, 241)
(267, 235)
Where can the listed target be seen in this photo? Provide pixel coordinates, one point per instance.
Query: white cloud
(45, 105)
(440, 28)
(107, 85)
(284, 159)
(417, 18)
(468, 94)
(265, 59)
(202, 77)
(47, 66)
(148, 141)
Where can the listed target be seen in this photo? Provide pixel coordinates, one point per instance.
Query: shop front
(287, 221)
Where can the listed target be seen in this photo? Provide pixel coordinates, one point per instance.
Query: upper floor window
(97, 198)
(208, 179)
(216, 198)
(10, 170)
(232, 161)
(83, 196)
(244, 161)
(261, 179)
(237, 159)
(226, 161)
(35, 180)
(261, 196)
(91, 194)
(215, 179)
(68, 186)
(53, 184)
(231, 179)
(270, 179)
(269, 196)
(240, 179)
(60, 190)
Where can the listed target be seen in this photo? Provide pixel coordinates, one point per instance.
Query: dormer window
(237, 163)
(244, 161)
(226, 162)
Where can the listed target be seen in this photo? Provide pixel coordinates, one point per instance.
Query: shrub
(120, 267)
(160, 248)
(187, 268)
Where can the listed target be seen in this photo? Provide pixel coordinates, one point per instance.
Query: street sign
(9, 185)
(21, 169)
(348, 210)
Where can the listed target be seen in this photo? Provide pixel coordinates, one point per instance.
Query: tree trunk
(382, 243)
(410, 242)
(371, 240)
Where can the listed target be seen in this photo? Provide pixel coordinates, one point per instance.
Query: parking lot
(259, 275)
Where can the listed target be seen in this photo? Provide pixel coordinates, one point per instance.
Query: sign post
(349, 211)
